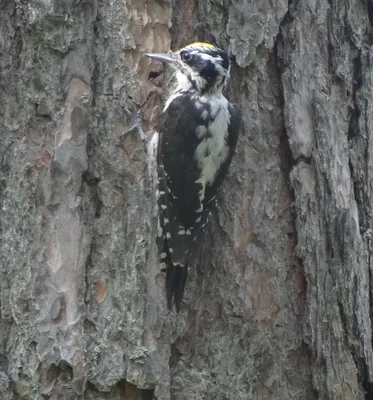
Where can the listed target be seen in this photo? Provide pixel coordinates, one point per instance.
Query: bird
(195, 144)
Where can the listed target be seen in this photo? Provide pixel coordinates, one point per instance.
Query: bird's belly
(211, 154)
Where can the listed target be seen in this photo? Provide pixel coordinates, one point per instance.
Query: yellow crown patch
(203, 45)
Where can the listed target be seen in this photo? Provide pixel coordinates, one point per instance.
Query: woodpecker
(196, 143)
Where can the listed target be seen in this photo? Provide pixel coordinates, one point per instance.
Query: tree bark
(279, 302)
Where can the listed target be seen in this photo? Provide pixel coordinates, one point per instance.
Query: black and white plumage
(197, 140)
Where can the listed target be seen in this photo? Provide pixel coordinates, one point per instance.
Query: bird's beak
(166, 58)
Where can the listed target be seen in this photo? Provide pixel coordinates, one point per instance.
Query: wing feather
(178, 174)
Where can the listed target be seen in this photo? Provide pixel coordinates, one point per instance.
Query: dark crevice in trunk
(90, 210)
(285, 153)
(125, 390)
(95, 73)
(344, 322)
(287, 164)
(358, 172)
(367, 385)
(370, 11)
(92, 185)
(175, 356)
(286, 156)
(353, 128)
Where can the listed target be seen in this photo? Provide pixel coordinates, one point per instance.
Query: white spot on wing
(205, 114)
(201, 131)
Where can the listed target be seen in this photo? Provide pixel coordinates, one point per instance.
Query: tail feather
(176, 276)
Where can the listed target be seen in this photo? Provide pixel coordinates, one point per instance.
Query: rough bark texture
(279, 305)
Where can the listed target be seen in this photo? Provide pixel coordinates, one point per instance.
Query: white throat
(184, 85)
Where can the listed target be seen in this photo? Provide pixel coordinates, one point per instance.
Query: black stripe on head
(216, 53)
(189, 56)
(209, 72)
(192, 81)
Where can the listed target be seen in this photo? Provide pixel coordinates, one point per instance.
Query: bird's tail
(176, 276)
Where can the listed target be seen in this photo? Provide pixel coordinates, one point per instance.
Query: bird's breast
(213, 150)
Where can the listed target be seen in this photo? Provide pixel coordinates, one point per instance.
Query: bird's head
(199, 66)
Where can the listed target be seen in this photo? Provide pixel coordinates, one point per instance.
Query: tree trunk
(279, 303)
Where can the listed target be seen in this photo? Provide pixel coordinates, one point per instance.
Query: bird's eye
(185, 56)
